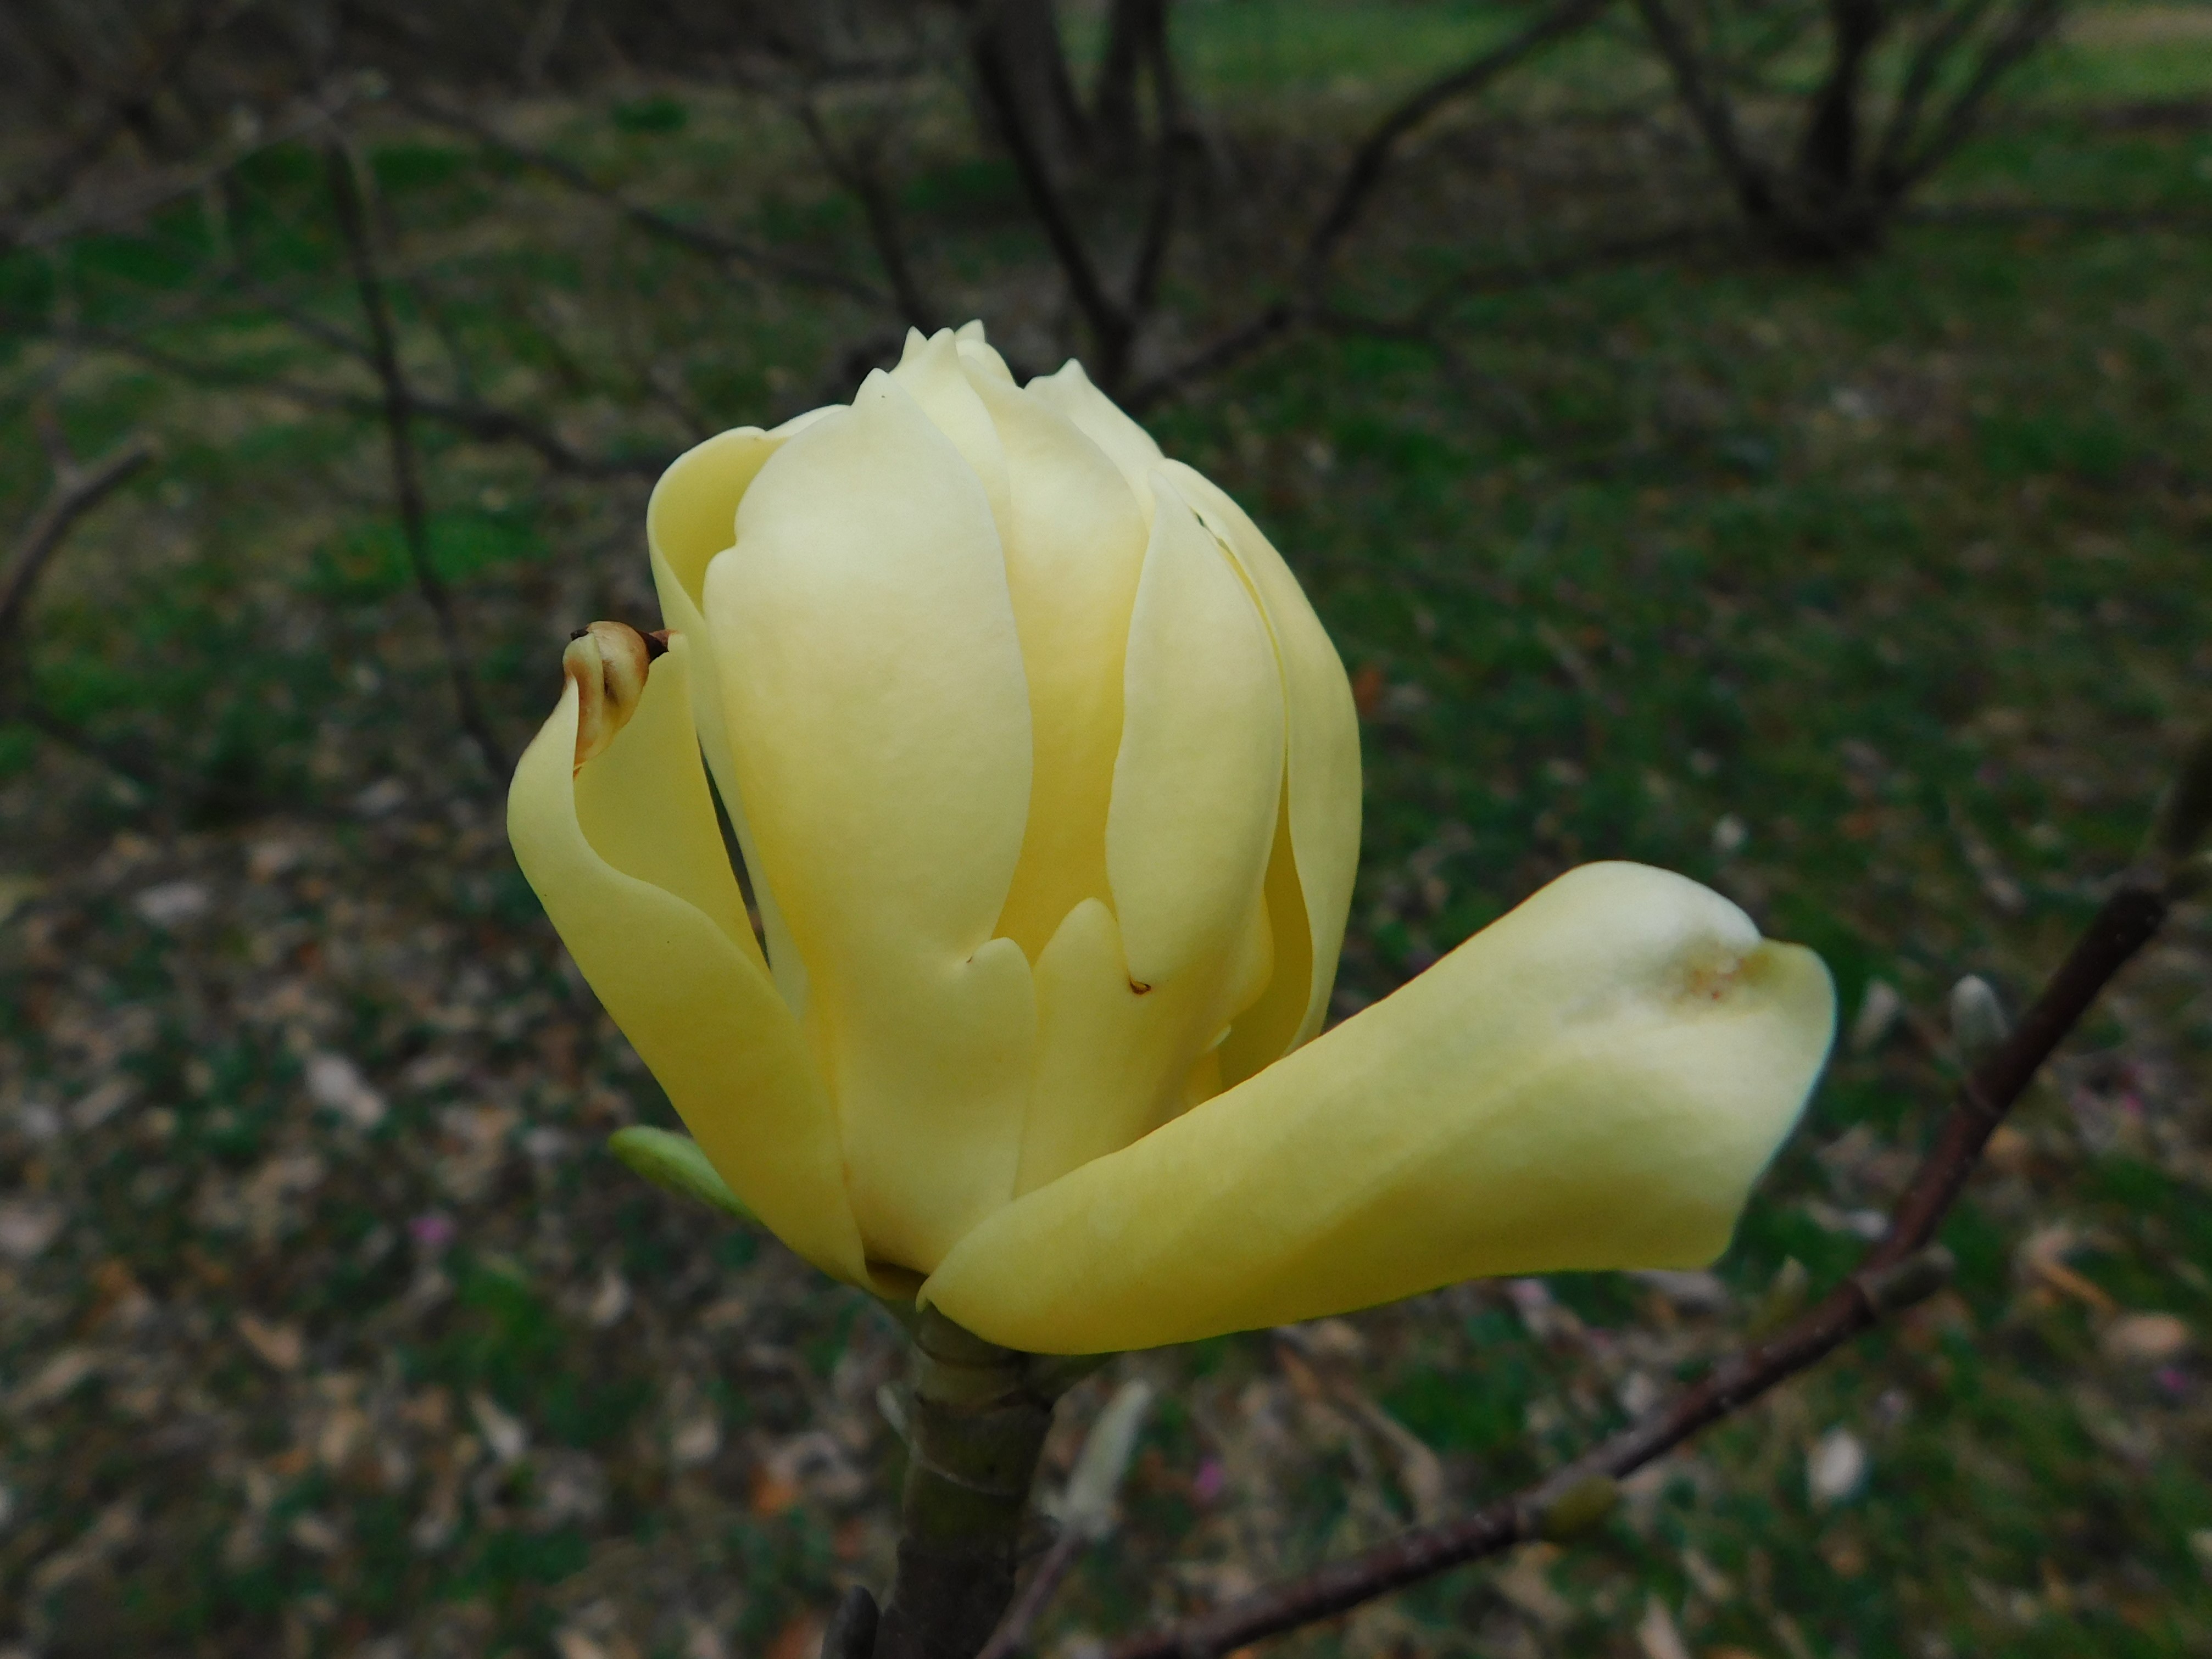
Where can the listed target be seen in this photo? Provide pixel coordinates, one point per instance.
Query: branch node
(1892, 1289)
(1581, 1509)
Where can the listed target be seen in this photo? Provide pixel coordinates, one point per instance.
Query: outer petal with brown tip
(626, 856)
(1594, 1081)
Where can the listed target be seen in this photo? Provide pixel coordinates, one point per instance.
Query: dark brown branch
(1896, 1271)
(76, 491)
(1373, 157)
(399, 412)
(725, 250)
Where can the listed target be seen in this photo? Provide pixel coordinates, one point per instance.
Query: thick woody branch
(1897, 1271)
(1110, 324)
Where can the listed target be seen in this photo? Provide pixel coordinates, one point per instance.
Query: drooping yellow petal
(627, 859)
(1594, 1081)
(879, 731)
(1324, 734)
(1073, 557)
(1196, 780)
(691, 517)
(1127, 445)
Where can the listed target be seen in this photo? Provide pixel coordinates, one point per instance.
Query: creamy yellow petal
(1324, 727)
(879, 730)
(1594, 1081)
(691, 517)
(935, 376)
(617, 853)
(980, 354)
(1196, 781)
(1127, 445)
(1072, 558)
(1110, 1061)
(1269, 1027)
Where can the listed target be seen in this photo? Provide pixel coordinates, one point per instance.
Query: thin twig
(1887, 1278)
(1051, 1572)
(75, 492)
(1362, 176)
(858, 175)
(81, 153)
(2032, 22)
(723, 249)
(1373, 157)
(1087, 1512)
(406, 477)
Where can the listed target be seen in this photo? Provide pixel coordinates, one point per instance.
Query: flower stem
(977, 1421)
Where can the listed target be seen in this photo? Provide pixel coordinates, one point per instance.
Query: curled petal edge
(700, 1011)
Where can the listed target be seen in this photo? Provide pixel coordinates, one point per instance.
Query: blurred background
(1766, 438)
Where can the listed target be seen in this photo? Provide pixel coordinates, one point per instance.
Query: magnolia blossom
(1047, 782)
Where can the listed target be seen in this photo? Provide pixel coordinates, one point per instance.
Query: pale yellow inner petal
(1127, 445)
(1072, 560)
(1324, 785)
(879, 720)
(691, 517)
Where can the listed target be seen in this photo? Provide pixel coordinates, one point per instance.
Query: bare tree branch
(858, 174)
(406, 478)
(1897, 1271)
(1921, 74)
(1709, 109)
(714, 245)
(484, 422)
(1373, 157)
(1110, 324)
(116, 117)
(2030, 24)
(1362, 175)
(75, 492)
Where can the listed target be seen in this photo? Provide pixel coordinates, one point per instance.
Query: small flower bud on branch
(1977, 1019)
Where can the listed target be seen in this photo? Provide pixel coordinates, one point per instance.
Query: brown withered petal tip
(578, 633)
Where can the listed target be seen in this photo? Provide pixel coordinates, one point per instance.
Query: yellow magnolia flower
(1046, 779)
